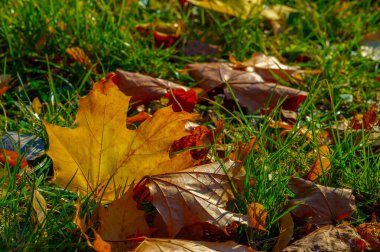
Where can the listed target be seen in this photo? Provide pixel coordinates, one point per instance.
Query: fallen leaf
(371, 233)
(100, 245)
(268, 67)
(257, 215)
(199, 48)
(159, 245)
(197, 194)
(321, 165)
(77, 54)
(319, 204)
(102, 156)
(12, 158)
(122, 220)
(278, 16)
(5, 80)
(202, 231)
(39, 207)
(144, 88)
(199, 136)
(286, 233)
(328, 239)
(37, 105)
(30, 146)
(182, 100)
(139, 118)
(249, 88)
(240, 8)
(366, 121)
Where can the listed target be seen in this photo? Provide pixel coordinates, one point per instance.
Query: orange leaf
(321, 165)
(100, 245)
(257, 216)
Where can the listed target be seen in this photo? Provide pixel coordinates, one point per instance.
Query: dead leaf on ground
(319, 204)
(77, 54)
(286, 233)
(122, 220)
(240, 8)
(102, 156)
(329, 239)
(202, 231)
(257, 215)
(100, 245)
(371, 233)
(144, 88)
(278, 16)
(159, 245)
(249, 88)
(321, 165)
(197, 194)
(268, 67)
(39, 207)
(5, 83)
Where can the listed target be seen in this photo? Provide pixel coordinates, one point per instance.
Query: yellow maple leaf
(102, 156)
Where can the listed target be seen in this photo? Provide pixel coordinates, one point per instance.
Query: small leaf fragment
(286, 233)
(257, 216)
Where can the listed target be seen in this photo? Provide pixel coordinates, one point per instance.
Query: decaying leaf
(268, 67)
(202, 231)
(277, 15)
(102, 156)
(144, 88)
(371, 233)
(29, 146)
(329, 239)
(182, 100)
(240, 8)
(77, 54)
(122, 220)
(39, 208)
(320, 204)
(257, 216)
(100, 245)
(321, 165)
(5, 80)
(197, 194)
(159, 245)
(249, 88)
(286, 233)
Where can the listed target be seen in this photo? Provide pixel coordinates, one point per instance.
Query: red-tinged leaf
(139, 118)
(12, 158)
(342, 216)
(242, 149)
(100, 245)
(368, 120)
(144, 88)
(371, 233)
(199, 136)
(4, 83)
(182, 100)
(321, 165)
(164, 40)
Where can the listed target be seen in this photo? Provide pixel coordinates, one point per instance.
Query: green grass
(35, 34)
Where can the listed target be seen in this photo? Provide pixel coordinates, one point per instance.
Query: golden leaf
(79, 55)
(257, 216)
(102, 156)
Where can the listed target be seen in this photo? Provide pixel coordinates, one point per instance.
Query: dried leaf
(278, 16)
(37, 105)
(139, 118)
(30, 146)
(249, 88)
(366, 121)
(5, 83)
(371, 233)
(122, 220)
(12, 158)
(321, 165)
(257, 216)
(240, 8)
(319, 204)
(328, 239)
(39, 208)
(159, 245)
(202, 231)
(182, 100)
(102, 156)
(198, 194)
(100, 245)
(286, 233)
(77, 54)
(144, 88)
